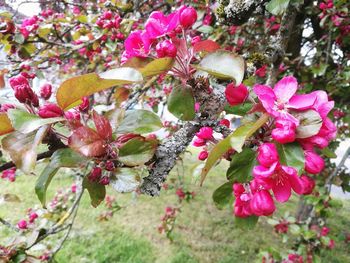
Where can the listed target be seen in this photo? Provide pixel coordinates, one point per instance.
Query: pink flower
(281, 98)
(267, 154)
(308, 184)
(5, 107)
(188, 16)
(72, 115)
(199, 142)
(314, 164)
(32, 217)
(9, 174)
(242, 201)
(331, 244)
(46, 91)
(197, 107)
(166, 49)
(29, 25)
(280, 178)
(195, 40)
(50, 110)
(262, 204)
(205, 133)
(322, 105)
(23, 92)
(73, 188)
(137, 44)
(22, 224)
(203, 155)
(284, 131)
(236, 95)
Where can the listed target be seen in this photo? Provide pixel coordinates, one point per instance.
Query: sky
(28, 9)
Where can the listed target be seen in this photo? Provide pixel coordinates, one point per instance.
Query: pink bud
(331, 244)
(314, 164)
(46, 91)
(199, 142)
(308, 184)
(324, 231)
(22, 224)
(73, 188)
(238, 189)
(203, 155)
(50, 111)
(195, 40)
(23, 92)
(267, 154)
(225, 122)
(104, 180)
(6, 107)
(32, 217)
(95, 174)
(72, 115)
(166, 49)
(188, 17)
(236, 95)
(109, 165)
(205, 133)
(262, 203)
(284, 131)
(180, 193)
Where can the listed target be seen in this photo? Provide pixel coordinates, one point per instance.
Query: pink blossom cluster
(158, 28)
(24, 224)
(203, 137)
(29, 25)
(9, 174)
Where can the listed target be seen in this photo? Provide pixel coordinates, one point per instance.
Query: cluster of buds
(109, 20)
(23, 92)
(24, 224)
(9, 174)
(204, 137)
(272, 25)
(168, 221)
(112, 207)
(30, 25)
(184, 195)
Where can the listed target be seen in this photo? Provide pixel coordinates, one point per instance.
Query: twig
(329, 180)
(8, 224)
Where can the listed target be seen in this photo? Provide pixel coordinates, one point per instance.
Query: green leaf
(223, 196)
(149, 67)
(19, 38)
(223, 65)
(125, 180)
(71, 91)
(241, 109)
(137, 151)
(328, 153)
(140, 121)
(205, 29)
(310, 123)
(181, 103)
(22, 148)
(292, 155)
(241, 166)
(277, 7)
(235, 140)
(25, 122)
(61, 158)
(96, 191)
(247, 222)
(294, 229)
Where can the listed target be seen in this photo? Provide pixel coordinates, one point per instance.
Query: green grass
(202, 234)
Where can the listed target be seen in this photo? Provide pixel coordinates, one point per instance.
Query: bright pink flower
(322, 105)
(284, 131)
(22, 224)
(46, 91)
(314, 164)
(308, 184)
(205, 133)
(73, 188)
(236, 95)
(9, 174)
(32, 217)
(208, 19)
(188, 16)
(324, 231)
(50, 110)
(242, 201)
(267, 154)
(262, 204)
(23, 92)
(203, 155)
(137, 44)
(331, 244)
(29, 25)
(197, 107)
(279, 100)
(166, 49)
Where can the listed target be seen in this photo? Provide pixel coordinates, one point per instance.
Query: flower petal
(285, 88)
(302, 102)
(264, 90)
(282, 190)
(294, 180)
(262, 171)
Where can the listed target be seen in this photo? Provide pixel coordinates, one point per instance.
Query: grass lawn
(202, 234)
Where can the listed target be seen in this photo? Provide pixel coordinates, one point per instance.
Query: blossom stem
(260, 122)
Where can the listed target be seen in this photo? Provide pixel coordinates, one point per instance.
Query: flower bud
(109, 165)
(22, 224)
(262, 203)
(308, 184)
(267, 154)
(236, 95)
(50, 111)
(188, 17)
(203, 155)
(324, 231)
(84, 106)
(104, 180)
(95, 174)
(284, 131)
(205, 133)
(225, 122)
(5, 107)
(314, 164)
(166, 49)
(32, 217)
(46, 91)
(199, 142)
(23, 92)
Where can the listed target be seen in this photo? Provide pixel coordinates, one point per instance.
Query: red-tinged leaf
(87, 142)
(5, 124)
(206, 45)
(103, 127)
